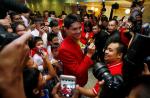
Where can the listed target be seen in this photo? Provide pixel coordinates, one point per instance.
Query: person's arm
(57, 94)
(86, 91)
(71, 63)
(90, 92)
(12, 58)
(47, 63)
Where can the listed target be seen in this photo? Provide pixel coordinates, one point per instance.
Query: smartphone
(68, 84)
(40, 52)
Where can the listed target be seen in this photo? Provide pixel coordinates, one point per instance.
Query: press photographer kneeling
(108, 74)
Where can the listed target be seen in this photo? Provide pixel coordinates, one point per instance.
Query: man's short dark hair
(30, 80)
(55, 46)
(115, 21)
(38, 20)
(139, 14)
(121, 48)
(53, 23)
(86, 15)
(104, 18)
(36, 39)
(70, 19)
(51, 36)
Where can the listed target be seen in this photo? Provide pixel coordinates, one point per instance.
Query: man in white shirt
(39, 30)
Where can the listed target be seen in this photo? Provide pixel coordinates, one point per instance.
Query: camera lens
(101, 72)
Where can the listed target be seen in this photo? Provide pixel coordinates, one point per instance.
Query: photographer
(113, 58)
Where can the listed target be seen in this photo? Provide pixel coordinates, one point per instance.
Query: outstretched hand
(56, 92)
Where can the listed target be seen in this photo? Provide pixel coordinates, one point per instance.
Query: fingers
(92, 46)
(55, 89)
(101, 82)
(77, 87)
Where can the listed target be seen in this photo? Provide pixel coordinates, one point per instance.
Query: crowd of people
(35, 49)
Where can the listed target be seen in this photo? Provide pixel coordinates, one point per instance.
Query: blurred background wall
(70, 6)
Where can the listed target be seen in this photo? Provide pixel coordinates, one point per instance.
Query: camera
(115, 6)
(6, 38)
(101, 72)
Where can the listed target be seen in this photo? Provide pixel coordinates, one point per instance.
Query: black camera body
(101, 72)
(6, 38)
(115, 6)
(113, 85)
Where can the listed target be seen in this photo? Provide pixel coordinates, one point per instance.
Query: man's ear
(66, 30)
(120, 55)
(146, 71)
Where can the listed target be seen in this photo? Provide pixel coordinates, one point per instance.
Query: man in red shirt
(70, 53)
(113, 59)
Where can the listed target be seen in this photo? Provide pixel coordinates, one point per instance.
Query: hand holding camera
(66, 87)
(91, 50)
(101, 72)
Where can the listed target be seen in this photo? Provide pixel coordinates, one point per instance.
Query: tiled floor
(91, 79)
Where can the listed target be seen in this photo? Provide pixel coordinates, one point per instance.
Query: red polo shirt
(115, 69)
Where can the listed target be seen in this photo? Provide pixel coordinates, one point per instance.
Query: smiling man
(113, 57)
(70, 53)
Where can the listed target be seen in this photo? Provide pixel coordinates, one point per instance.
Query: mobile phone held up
(68, 84)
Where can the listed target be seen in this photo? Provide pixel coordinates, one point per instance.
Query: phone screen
(68, 84)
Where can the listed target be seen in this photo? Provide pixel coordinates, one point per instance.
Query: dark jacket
(114, 36)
